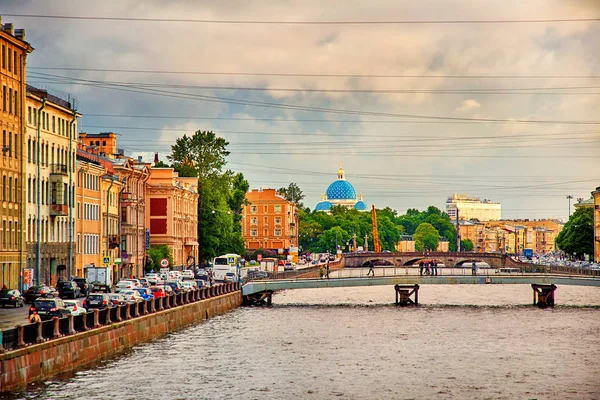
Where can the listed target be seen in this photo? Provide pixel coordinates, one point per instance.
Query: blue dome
(341, 190)
(323, 206)
(361, 206)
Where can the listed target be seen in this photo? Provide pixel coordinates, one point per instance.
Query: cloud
(468, 105)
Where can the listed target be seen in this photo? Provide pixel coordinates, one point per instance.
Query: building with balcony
(472, 208)
(13, 57)
(269, 221)
(172, 214)
(50, 160)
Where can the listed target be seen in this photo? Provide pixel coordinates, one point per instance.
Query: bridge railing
(574, 271)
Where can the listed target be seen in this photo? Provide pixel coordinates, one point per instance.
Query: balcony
(114, 241)
(59, 169)
(128, 197)
(59, 210)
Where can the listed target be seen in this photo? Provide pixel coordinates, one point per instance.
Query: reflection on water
(469, 341)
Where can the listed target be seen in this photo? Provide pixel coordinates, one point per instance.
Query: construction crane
(376, 244)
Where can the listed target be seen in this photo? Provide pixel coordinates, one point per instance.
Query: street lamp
(569, 197)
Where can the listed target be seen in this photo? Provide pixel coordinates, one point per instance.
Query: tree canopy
(426, 237)
(293, 193)
(577, 236)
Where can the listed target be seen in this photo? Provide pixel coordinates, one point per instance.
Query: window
(266, 209)
(16, 143)
(9, 60)
(10, 100)
(278, 208)
(253, 232)
(254, 209)
(53, 124)
(16, 102)
(3, 57)
(254, 220)
(3, 98)
(277, 232)
(278, 220)
(266, 220)
(16, 64)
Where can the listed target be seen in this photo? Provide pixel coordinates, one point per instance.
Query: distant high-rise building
(472, 208)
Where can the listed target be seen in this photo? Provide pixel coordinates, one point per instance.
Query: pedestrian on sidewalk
(421, 268)
(474, 268)
(434, 268)
(371, 270)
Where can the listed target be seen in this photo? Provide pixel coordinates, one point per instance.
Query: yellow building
(596, 196)
(475, 232)
(112, 187)
(406, 244)
(50, 185)
(172, 215)
(135, 174)
(14, 50)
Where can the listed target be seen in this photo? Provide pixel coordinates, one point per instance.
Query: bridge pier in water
(260, 298)
(543, 295)
(404, 293)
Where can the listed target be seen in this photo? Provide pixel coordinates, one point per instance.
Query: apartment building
(472, 208)
(14, 50)
(172, 215)
(596, 197)
(269, 221)
(51, 144)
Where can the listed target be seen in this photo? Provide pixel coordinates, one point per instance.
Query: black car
(48, 308)
(35, 292)
(84, 286)
(98, 300)
(175, 285)
(68, 289)
(11, 296)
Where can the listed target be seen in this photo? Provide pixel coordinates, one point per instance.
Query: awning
(191, 243)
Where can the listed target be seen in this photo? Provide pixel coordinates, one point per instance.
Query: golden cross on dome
(341, 172)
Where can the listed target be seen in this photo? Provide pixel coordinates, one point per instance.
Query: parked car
(175, 275)
(158, 291)
(75, 306)
(168, 289)
(200, 284)
(153, 278)
(124, 285)
(11, 296)
(85, 287)
(117, 299)
(231, 277)
(97, 300)
(258, 274)
(35, 292)
(48, 308)
(146, 293)
(188, 286)
(187, 274)
(68, 289)
(144, 282)
(175, 285)
(132, 296)
(288, 266)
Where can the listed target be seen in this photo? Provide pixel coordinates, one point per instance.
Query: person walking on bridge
(434, 268)
(371, 270)
(474, 268)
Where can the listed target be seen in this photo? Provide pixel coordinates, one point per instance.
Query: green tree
(161, 164)
(293, 193)
(426, 237)
(329, 238)
(157, 253)
(576, 238)
(467, 245)
(203, 151)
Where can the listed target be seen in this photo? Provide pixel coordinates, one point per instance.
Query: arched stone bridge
(448, 259)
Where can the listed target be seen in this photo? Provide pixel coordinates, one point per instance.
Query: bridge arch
(377, 262)
(413, 261)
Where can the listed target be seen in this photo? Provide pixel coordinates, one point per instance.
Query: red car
(158, 291)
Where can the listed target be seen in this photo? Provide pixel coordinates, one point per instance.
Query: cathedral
(341, 193)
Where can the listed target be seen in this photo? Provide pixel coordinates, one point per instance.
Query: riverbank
(42, 361)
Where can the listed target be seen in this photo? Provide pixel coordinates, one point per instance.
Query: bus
(224, 264)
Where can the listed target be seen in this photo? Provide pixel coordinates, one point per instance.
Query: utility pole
(569, 197)
(458, 246)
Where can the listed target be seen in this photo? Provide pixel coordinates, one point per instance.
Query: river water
(463, 341)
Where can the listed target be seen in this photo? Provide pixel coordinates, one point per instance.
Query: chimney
(20, 34)
(140, 159)
(155, 158)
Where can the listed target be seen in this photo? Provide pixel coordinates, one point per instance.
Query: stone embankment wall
(45, 360)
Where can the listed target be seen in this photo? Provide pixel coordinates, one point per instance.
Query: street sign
(164, 271)
(118, 261)
(106, 260)
(164, 263)
(147, 239)
(125, 255)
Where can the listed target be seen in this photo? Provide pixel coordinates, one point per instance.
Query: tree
(161, 164)
(157, 253)
(293, 193)
(576, 238)
(329, 238)
(467, 245)
(203, 151)
(426, 237)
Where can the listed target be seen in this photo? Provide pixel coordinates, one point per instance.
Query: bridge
(449, 259)
(346, 269)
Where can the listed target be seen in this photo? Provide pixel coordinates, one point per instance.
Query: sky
(414, 111)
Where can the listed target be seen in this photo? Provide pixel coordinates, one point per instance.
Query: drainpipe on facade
(112, 181)
(121, 227)
(71, 195)
(39, 191)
